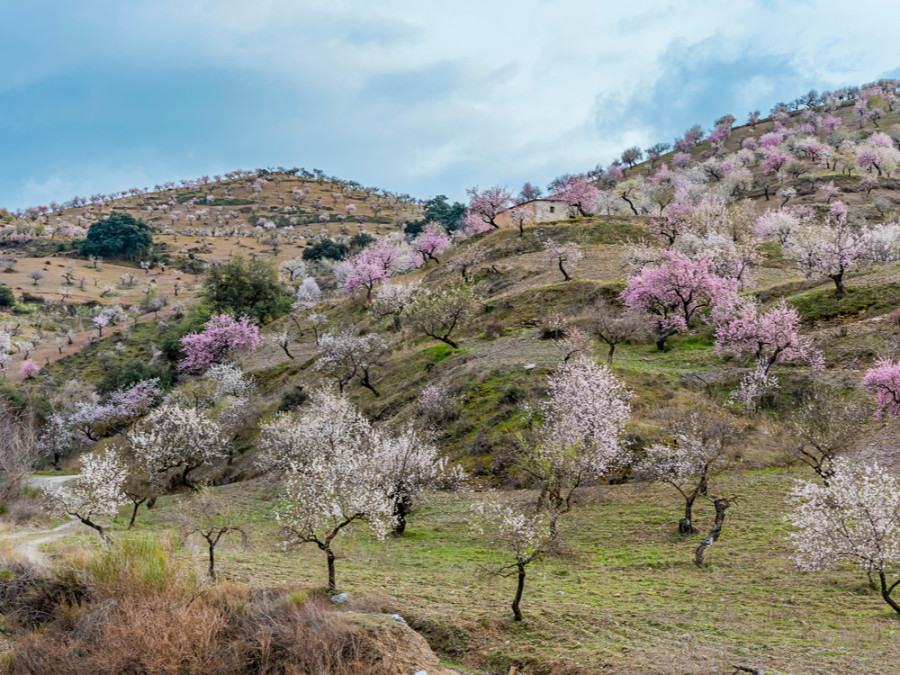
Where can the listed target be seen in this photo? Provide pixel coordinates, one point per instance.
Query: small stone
(421, 672)
(340, 598)
(397, 617)
(530, 366)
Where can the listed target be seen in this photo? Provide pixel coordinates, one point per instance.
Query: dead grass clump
(137, 608)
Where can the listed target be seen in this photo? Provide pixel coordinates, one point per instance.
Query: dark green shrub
(7, 299)
(327, 248)
(250, 288)
(121, 234)
(123, 375)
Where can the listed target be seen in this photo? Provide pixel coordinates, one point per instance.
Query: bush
(123, 375)
(121, 234)
(240, 288)
(28, 297)
(7, 299)
(327, 248)
(293, 399)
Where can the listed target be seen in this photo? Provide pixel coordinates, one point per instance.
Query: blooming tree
(579, 193)
(294, 269)
(579, 439)
(562, 255)
(700, 448)
(221, 337)
(392, 298)
(675, 290)
(431, 243)
(855, 519)
(613, 326)
(439, 313)
(28, 369)
(96, 495)
(308, 294)
(409, 463)
(522, 534)
(771, 336)
(520, 216)
(884, 382)
(178, 437)
(484, 207)
(828, 249)
(344, 356)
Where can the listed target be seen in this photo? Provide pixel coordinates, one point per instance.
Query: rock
(393, 648)
(397, 617)
(340, 598)
(530, 366)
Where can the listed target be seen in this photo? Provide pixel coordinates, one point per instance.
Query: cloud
(414, 96)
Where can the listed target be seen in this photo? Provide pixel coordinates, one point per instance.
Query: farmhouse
(542, 211)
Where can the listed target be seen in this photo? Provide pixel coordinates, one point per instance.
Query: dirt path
(27, 544)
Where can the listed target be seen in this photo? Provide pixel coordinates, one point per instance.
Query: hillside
(621, 593)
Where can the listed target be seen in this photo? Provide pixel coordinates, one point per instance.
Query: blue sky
(415, 96)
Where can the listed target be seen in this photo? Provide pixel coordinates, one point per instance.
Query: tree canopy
(120, 234)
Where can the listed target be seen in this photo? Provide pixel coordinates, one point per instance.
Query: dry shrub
(137, 608)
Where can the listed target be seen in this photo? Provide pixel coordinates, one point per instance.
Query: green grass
(822, 303)
(626, 593)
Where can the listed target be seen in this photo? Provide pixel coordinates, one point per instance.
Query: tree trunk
(609, 355)
(838, 280)
(134, 512)
(212, 560)
(662, 336)
(332, 587)
(520, 586)
(187, 481)
(449, 342)
(721, 505)
(886, 592)
(284, 347)
(402, 508)
(686, 524)
(563, 270)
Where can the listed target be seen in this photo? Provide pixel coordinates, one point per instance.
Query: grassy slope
(626, 597)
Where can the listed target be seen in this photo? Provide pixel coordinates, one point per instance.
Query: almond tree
(294, 269)
(577, 192)
(222, 336)
(613, 326)
(562, 255)
(392, 298)
(484, 207)
(308, 294)
(771, 336)
(465, 260)
(580, 438)
(330, 493)
(439, 313)
(675, 291)
(431, 243)
(211, 515)
(525, 535)
(823, 428)
(855, 519)
(345, 356)
(828, 249)
(700, 449)
(409, 464)
(96, 495)
(884, 382)
(177, 437)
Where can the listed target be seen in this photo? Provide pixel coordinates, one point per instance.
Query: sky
(414, 96)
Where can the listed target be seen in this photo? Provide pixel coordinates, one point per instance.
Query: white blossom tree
(179, 437)
(855, 519)
(329, 494)
(409, 464)
(562, 256)
(523, 534)
(345, 356)
(94, 497)
(701, 447)
(580, 438)
(438, 314)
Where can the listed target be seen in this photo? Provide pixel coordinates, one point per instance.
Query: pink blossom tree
(579, 193)
(883, 381)
(433, 241)
(222, 336)
(675, 291)
(854, 519)
(771, 336)
(28, 369)
(520, 216)
(484, 207)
